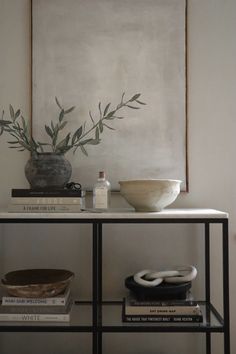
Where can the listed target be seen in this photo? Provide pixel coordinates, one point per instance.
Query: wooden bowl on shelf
(37, 283)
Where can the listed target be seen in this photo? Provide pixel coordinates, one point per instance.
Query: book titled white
(59, 300)
(48, 200)
(34, 317)
(47, 208)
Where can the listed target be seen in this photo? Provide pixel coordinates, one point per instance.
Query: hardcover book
(44, 208)
(189, 301)
(169, 319)
(49, 200)
(162, 310)
(47, 193)
(31, 316)
(15, 317)
(161, 307)
(35, 309)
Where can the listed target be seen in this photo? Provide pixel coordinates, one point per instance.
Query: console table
(97, 316)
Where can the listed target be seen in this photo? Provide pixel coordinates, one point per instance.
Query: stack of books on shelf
(46, 201)
(178, 311)
(51, 309)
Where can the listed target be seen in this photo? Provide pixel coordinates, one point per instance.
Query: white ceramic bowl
(150, 194)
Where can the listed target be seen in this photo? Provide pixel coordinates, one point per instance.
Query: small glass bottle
(102, 192)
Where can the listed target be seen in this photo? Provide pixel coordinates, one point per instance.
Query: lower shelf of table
(110, 320)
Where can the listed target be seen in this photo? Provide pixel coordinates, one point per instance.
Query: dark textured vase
(48, 170)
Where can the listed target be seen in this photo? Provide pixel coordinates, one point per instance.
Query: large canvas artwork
(90, 51)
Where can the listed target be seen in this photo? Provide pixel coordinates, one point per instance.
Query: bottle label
(101, 198)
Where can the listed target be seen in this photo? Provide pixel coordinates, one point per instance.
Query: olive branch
(19, 129)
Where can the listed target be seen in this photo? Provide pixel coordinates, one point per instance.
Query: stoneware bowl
(149, 195)
(37, 283)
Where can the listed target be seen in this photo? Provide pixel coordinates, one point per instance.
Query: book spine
(134, 302)
(47, 193)
(22, 301)
(48, 200)
(162, 310)
(35, 317)
(175, 318)
(30, 310)
(27, 208)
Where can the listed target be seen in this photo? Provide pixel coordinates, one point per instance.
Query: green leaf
(63, 143)
(22, 143)
(54, 139)
(57, 102)
(94, 142)
(77, 135)
(48, 131)
(17, 114)
(90, 115)
(13, 142)
(57, 128)
(132, 107)
(110, 114)
(69, 110)
(5, 122)
(83, 150)
(34, 143)
(106, 109)
(84, 142)
(100, 109)
(23, 123)
(140, 102)
(52, 126)
(63, 125)
(108, 126)
(61, 115)
(100, 126)
(122, 97)
(97, 133)
(135, 97)
(12, 114)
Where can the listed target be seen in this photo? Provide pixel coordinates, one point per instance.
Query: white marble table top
(122, 214)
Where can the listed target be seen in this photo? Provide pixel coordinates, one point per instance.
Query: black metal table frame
(97, 301)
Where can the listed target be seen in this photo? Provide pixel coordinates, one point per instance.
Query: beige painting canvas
(90, 51)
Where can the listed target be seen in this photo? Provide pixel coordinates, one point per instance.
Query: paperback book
(59, 300)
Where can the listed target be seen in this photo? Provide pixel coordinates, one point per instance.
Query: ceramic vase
(48, 170)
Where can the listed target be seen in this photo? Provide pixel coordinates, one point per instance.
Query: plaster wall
(212, 174)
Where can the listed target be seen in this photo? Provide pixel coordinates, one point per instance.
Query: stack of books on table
(46, 201)
(178, 311)
(51, 309)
